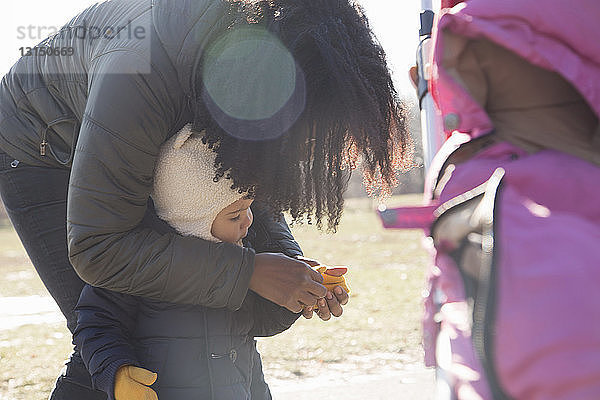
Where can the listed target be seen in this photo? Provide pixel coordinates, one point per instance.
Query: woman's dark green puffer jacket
(104, 112)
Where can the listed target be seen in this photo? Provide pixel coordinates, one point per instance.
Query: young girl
(513, 306)
(194, 352)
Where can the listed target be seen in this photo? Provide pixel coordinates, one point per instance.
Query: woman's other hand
(286, 281)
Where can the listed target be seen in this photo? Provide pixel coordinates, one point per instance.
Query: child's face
(232, 223)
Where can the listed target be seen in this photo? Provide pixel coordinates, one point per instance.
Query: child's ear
(182, 137)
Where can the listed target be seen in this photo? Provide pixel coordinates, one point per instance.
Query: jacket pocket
(61, 151)
(53, 118)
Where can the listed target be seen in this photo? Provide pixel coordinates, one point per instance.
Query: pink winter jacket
(546, 327)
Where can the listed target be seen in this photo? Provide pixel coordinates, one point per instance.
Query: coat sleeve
(127, 118)
(105, 321)
(269, 234)
(269, 318)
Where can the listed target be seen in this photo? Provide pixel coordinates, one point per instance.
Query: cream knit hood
(184, 192)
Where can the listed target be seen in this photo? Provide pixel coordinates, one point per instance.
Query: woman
(301, 87)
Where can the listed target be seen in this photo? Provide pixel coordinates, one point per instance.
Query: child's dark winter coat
(198, 352)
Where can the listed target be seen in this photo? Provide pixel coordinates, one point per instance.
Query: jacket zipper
(44, 143)
(484, 309)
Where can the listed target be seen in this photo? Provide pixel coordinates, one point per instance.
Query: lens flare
(252, 85)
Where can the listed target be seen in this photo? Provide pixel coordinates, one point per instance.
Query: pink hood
(558, 35)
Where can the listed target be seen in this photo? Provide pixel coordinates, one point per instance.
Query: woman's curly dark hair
(351, 110)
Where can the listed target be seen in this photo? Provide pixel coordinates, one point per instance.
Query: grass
(30, 359)
(380, 328)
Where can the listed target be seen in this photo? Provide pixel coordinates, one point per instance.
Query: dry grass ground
(379, 331)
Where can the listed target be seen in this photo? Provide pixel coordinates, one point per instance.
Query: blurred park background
(372, 352)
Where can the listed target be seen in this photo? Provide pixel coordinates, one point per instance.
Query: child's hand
(337, 291)
(131, 383)
(330, 305)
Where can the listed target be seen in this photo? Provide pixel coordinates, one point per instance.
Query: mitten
(131, 383)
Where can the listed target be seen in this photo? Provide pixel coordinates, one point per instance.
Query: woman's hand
(286, 281)
(333, 301)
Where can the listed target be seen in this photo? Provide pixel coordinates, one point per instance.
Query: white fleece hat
(184, 193)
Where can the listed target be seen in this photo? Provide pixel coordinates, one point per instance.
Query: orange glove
(333, 277)
(131, 383)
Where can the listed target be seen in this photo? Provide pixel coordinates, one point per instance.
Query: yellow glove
(333, 277)
(131, 383)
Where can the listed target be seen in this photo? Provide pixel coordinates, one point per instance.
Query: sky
(395, 23)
